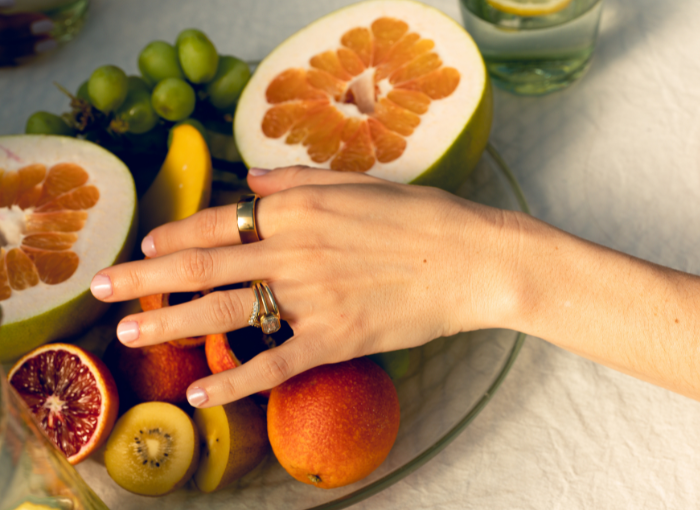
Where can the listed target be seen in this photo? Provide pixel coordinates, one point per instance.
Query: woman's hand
(23, 35)
(357, 265)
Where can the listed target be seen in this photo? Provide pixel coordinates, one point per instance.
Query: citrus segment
(50, 240)
(418, 67)
(9, 188)
(411, 100)
(386, 32)
(5, 289)
(359, 40)
(389, 145)
(529, 8)
(53, 267)
(71, 394)
(56, 221)
(21, 270)
(329, 62)
(60, 179)
(291, 85)
(350, 61)
(406, 67)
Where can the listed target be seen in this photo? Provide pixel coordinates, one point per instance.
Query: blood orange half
(72, 395)
(67, 210)
(393, 88)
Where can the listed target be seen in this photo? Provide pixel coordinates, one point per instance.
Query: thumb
(265, 182)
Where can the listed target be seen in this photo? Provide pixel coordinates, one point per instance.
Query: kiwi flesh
(153, 449)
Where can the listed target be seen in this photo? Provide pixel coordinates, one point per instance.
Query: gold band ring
(245, 214)
(269, 319)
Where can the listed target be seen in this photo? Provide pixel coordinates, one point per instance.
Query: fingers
(265, 371)
(265, 182)
(209, 228)
(216, 312)
(184, 271)
(217, 226)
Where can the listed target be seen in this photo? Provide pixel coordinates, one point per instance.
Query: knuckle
(229, 388)
(275, 368)
(208, 225)
(226, 309)
(197, 265)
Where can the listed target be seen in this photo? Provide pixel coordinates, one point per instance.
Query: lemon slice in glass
(529, 8)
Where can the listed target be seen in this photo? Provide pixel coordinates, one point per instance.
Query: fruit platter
(402, 94)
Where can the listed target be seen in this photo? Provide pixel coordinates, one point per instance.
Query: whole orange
(334, 424)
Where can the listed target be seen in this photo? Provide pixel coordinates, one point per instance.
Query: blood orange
(67, 210)
(72, 395)
(393, 88)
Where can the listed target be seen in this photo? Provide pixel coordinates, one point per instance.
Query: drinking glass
(533, 50)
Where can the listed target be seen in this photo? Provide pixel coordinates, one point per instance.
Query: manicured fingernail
(7, 3)
(197, 396)
(257, 172)
(101, 286)
(128, 331)
(45, 45)
(148, 247)
(43, 26)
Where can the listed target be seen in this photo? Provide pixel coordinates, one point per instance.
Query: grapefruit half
(393, 88)
(67, 210)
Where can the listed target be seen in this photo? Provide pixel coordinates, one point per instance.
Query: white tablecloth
(615, 159)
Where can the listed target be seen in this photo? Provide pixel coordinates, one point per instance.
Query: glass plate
(450, 380)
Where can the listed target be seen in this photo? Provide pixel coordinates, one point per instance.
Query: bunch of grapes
(185, 83)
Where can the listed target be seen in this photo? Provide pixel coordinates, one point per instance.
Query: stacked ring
(267, 317)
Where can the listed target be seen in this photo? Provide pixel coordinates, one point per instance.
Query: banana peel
(183, 184)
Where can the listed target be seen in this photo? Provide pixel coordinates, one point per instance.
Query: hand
(23, 35)
(357, 265)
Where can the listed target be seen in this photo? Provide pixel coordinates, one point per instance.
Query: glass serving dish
(449, 381)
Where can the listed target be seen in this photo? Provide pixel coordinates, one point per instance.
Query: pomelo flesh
(67, 210)
(393, 88)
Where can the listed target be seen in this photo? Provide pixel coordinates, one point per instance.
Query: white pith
(439, 127)
(105, 230)
(13, 226)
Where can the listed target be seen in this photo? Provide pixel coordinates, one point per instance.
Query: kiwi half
(153, 449)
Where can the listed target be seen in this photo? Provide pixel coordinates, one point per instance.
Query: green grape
(158, 61)
(173, 99)
(137, 112)
(83, 92)
(45, 123)
(226, 87)
(195, 124)
(107, 88)
(198, 56)
(137, 83)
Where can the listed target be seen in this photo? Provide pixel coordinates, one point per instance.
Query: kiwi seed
(165, 446)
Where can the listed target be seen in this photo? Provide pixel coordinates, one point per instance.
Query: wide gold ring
(269, 315)
(245, 214)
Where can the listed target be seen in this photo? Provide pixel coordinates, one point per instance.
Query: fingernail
(148, 247)
(128, 331)
(257, 172)
(101, 286)
(45, 45)
(43, 26)
(197, 396)
(7, 3)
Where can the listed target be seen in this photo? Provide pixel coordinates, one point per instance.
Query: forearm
(628, 314)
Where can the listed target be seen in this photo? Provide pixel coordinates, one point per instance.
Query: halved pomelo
(72, 395)
(67, 210)
(393, 88)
